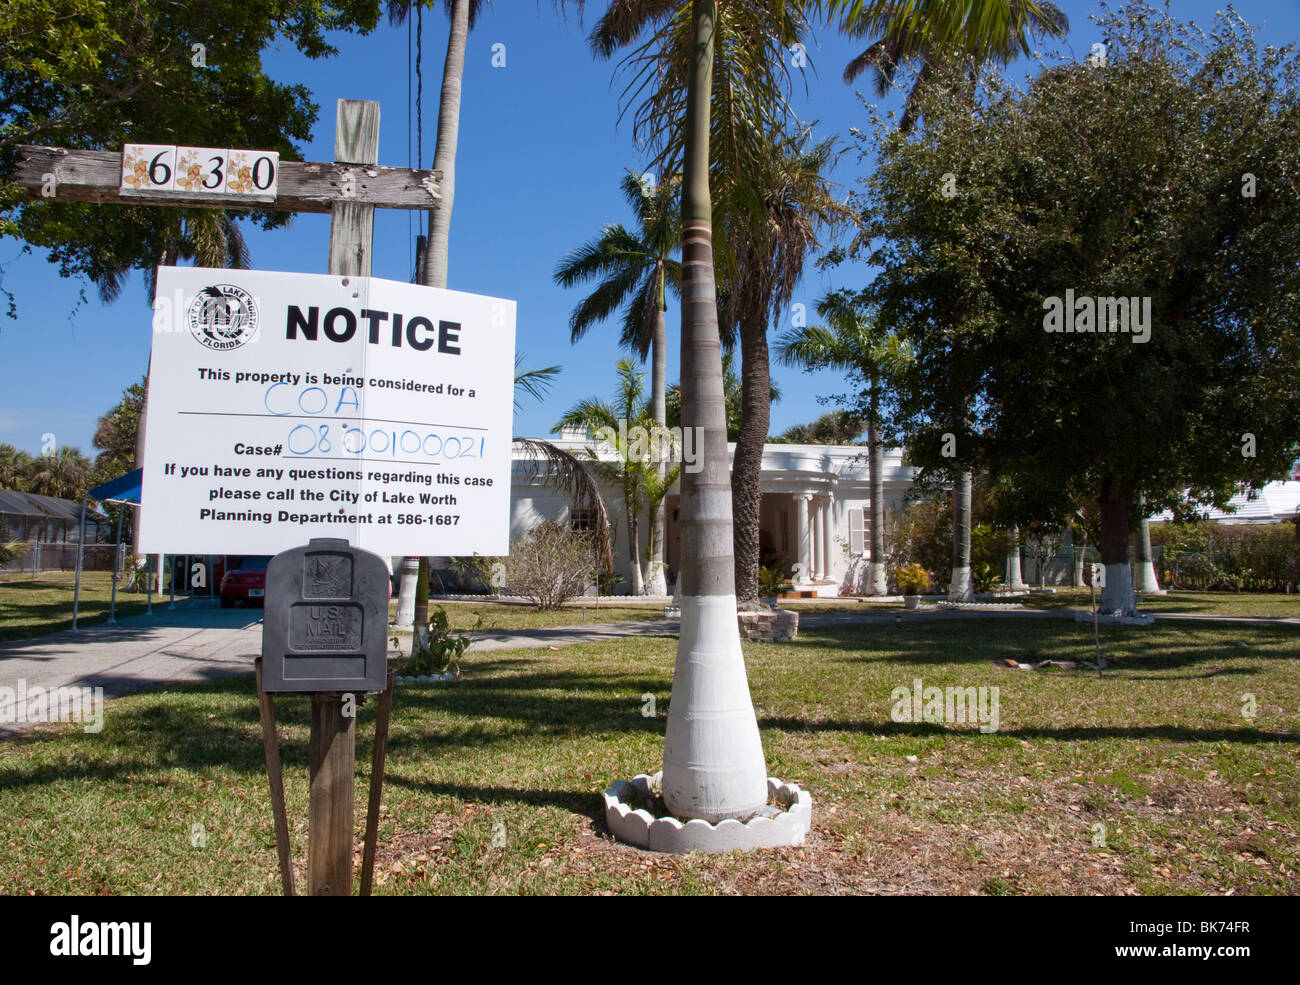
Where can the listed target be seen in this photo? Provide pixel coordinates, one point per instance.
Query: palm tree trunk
(960, 588)
(1015, 581)
(713, 756)
(1147, 582)
(433, 271)
(656, 583)
(876, 583)
(634, 550)
(444, 154)
(747, 467)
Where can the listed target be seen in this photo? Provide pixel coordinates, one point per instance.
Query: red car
(245, 583)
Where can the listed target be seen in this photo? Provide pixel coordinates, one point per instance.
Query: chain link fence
(41, 558)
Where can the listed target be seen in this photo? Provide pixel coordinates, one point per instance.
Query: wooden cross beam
(304, 186)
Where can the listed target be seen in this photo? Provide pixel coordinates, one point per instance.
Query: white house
(1273, 503)
(815, 510)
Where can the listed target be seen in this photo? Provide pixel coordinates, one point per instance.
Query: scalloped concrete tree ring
(775, 828)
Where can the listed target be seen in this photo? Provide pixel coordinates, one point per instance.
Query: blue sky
(540, 157)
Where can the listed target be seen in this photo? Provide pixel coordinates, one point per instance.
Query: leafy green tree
(1165, 176)
(633, 271)
(96, 75)
(955, 36)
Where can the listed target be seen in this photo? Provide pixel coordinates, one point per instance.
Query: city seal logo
(223, 317)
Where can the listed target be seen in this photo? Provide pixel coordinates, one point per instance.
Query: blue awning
(123, 489)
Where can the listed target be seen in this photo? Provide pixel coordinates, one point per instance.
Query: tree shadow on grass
(196, 725)
(966, 641)
(583, 802)
(1073, 733)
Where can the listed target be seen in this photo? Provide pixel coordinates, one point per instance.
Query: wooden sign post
(350, 189)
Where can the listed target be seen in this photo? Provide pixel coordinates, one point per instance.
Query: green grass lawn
(1207, 603)
(33, 607)
(503, 616)
(1149, 780)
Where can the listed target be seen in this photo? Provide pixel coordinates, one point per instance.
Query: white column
(801, 529)
(819, 549)
(828, 538)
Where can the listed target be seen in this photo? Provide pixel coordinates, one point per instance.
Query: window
(583, 520)
(857, 532)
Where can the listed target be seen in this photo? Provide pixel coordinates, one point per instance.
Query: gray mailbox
(325, 625)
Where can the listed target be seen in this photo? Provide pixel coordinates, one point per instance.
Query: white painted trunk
(961, 588)
(877, 584)
(1147, 583)
(406, 593)
(713, 757)
(656, 582)
(1015, 580)
(1117, 593)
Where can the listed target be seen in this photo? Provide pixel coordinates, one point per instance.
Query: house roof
(1273, 503)
(45, 507)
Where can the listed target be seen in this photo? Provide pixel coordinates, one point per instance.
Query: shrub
(474, 574)
(912, 579)
(551, 564)
(1253, 557)
(988, 556)
(609, 581)
(134, 574)
(771, 581)
(919, 534)
(435, 649)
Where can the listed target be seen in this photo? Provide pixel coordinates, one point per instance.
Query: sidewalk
(197, 641)
(201, 641)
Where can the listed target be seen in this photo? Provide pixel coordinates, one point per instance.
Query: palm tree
(770, 247)
(933, 31)
(713, 757)
(432, 265)
(463, 14)
(732, 392)
(851, 341)
(629, 469)
(713, 766)
(15, 468)
(64, 473)
(633, 271)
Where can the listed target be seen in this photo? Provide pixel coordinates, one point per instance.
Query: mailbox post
(325, 634)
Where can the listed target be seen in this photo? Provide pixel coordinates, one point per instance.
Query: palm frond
(535, 383)
(567, 474)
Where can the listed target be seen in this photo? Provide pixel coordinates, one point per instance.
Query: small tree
(551, 564)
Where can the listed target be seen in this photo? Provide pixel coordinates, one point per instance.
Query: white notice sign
(284, 407)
